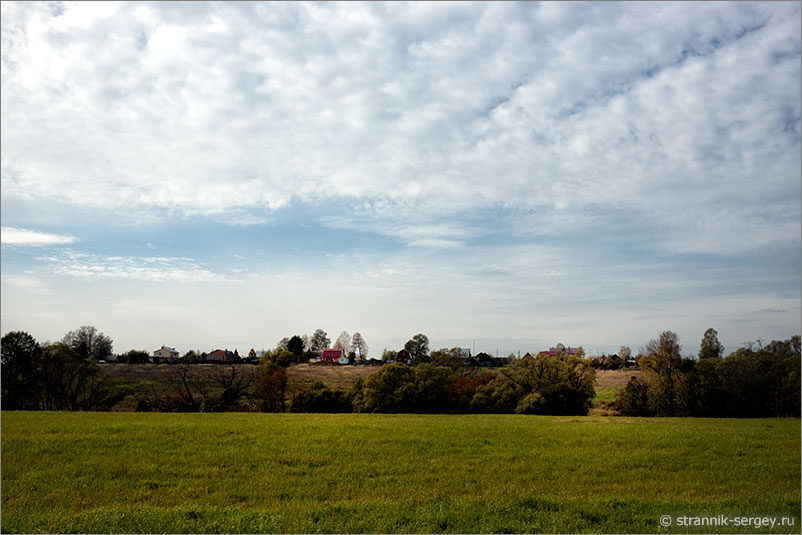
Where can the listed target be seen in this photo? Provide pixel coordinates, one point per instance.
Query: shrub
(319, 398)
(532, 403)
(633, 400)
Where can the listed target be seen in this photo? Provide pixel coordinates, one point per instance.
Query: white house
(165, 354)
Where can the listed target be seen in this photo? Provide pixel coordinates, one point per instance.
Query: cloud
(152, 269)
(182, 110)
(19, 236)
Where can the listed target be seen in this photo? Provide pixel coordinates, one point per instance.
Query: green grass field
(303, 473)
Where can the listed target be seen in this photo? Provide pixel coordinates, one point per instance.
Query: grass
(355, 473)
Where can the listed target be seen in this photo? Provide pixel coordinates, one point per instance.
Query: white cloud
(564, 158)
(153, 269)
(20, 236)
(230, 113)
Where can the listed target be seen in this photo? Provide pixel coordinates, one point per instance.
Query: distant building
(403, 356)
(333, 355)
(219, 355)
(465, 353)
(554, 351)
(165, 354)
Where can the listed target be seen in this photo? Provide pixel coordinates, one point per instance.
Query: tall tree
(711, 347)
(270, 387)
(73, 383)
(418, 348)
(320, 340)
(21, 358)
(343, 341)
(88, 342)
(359, 347)
(663, 366)
(295, 345)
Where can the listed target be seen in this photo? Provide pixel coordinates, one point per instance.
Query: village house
(165, 354)
(219, 355)
(334, 356)
(554, 351)
(403, 356)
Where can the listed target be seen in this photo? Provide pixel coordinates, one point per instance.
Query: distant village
(339, 356)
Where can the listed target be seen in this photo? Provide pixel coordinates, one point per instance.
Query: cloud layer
(565, 168)
(657, 111)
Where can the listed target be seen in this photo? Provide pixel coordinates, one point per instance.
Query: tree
(633, 400)
(281, 357)
(295, 345)
(418, 348)
(320, 340)
(565, 383)
(389, 389)
(20, 358)
(319, 398)
(190, 357)
(135, 356)
(711, 347)
(343, 341)
(235, 383)
(663, 366)
(388, 355)
(706, 394)
(359, 347)
(88, 343)
(270, 387)
(451, 358)
(625, 353)
(72, 383)
(433, 388)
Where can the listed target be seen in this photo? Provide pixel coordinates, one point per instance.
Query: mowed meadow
(356, 473)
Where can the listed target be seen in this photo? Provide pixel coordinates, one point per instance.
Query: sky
(499, 176)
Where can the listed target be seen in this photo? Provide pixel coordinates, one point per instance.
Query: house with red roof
(333, 356)
(220, 355)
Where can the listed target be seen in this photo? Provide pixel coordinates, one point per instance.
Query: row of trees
(57, 376)
(754, 381)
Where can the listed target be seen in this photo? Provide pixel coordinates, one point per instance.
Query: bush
(389, 389)
(319, 398)
(531, 404)
(432, 388)
(633, 400)
(497, 396)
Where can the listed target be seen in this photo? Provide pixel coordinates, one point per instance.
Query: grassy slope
(101, 472)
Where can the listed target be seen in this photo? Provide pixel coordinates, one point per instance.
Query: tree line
(61, 376)
(754, 381)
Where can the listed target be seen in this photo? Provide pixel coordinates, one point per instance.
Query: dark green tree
(433, 388)
(711, 347)
(270, 387)
(295, 345)
(389, 389)
(663, 365)
(20, 358)
(418, 347)
(88, 342)
(135, 356)
(633, 400)
(73, 383)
